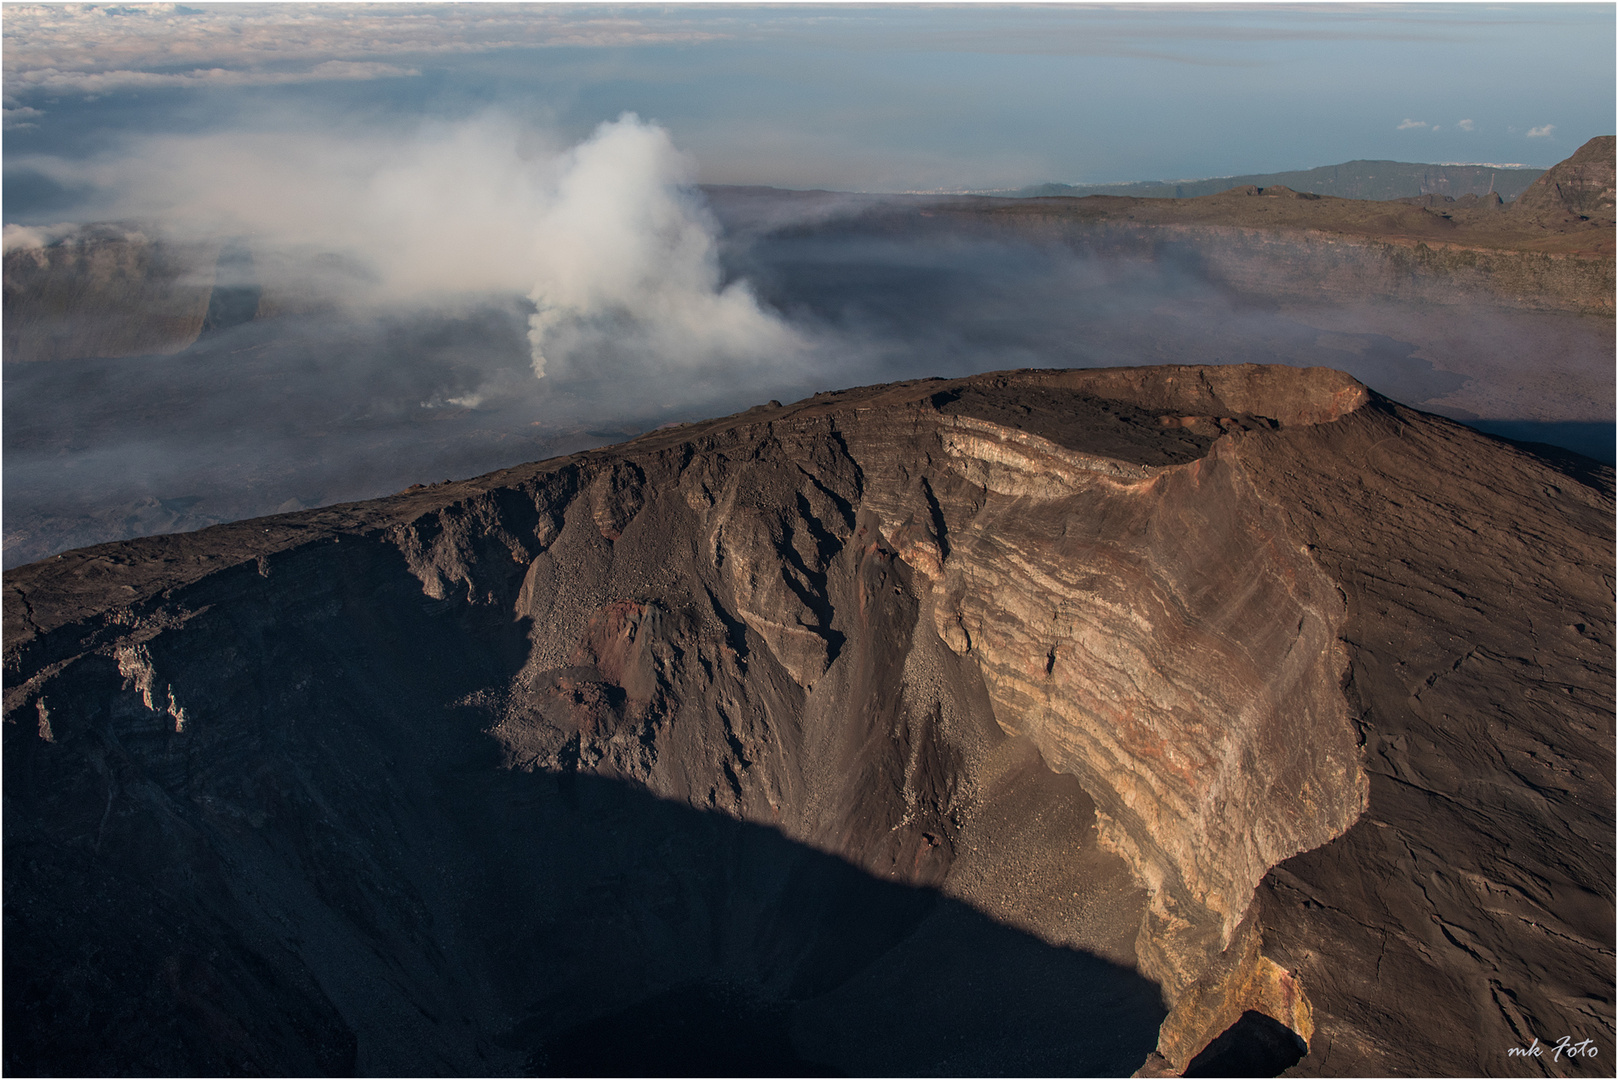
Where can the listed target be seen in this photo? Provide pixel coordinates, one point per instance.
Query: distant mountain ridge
(1350, 180)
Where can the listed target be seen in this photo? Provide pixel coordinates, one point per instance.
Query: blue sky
(879, 98)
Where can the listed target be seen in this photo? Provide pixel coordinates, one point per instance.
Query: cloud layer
(97, 48)
(56, 80)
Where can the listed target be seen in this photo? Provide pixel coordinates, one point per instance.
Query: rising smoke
(607, 240)
(627, 261)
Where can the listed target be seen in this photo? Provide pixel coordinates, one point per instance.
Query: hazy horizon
(859, 98)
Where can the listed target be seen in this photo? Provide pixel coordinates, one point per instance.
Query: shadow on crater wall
(693, 944)
(1255, 1045)
(327, 871)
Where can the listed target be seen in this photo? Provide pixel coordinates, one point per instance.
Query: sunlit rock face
(949, 726)
(1155, 629)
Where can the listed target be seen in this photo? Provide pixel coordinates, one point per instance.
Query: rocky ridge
(1226, 690)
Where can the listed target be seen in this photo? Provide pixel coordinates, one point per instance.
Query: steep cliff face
(1111, 609)
(105, 292)
(944, 726)
(1116, 609)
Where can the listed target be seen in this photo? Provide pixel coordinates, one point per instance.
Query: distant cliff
(1349, 266)
(1552, 250)
(1350, 180)
(105, 291)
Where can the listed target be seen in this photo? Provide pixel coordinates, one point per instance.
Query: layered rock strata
(984, 718)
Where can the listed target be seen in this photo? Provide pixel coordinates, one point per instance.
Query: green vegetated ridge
(1350, 180)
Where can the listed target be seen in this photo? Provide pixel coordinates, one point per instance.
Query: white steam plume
(625, 252)
(607, 240)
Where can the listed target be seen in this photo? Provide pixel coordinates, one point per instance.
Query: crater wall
(1157, 630)
(908, 727)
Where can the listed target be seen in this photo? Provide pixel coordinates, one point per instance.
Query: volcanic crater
(1189, 720)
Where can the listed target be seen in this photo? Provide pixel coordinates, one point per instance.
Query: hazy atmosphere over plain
(853, 98)
(425, 241)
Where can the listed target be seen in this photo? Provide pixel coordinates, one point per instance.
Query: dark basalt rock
(1172, 719)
